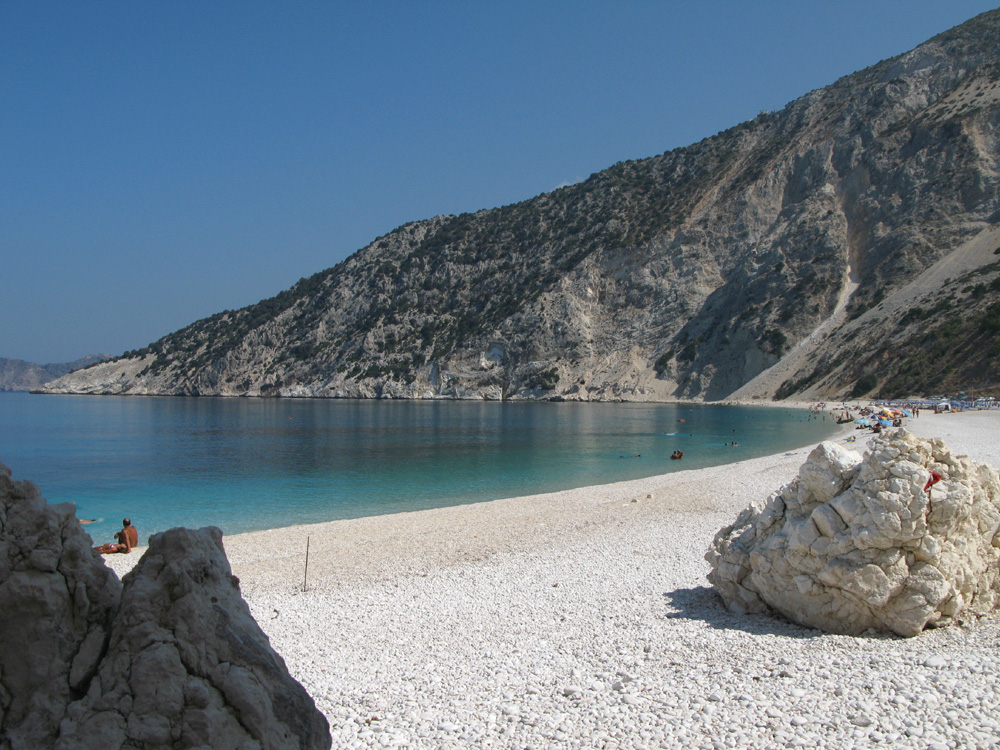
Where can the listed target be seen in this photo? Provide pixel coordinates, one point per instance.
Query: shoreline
(414, 540)
(330, 488)
(275, 536)
(523, 518)
(583, 618)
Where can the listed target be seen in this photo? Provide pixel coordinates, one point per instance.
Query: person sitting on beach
(127, 538)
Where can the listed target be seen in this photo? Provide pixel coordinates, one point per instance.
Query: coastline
(296, 471)
(583, 618)
(407, 540)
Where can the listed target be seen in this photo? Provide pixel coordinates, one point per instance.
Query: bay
(248, 464)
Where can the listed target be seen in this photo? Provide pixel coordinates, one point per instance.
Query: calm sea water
(247, 464)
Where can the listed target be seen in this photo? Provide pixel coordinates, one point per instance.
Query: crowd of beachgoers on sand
(875, 416)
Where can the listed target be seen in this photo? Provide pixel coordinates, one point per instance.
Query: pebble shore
(583, 619)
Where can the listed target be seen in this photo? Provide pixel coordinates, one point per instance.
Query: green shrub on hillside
(864, 385)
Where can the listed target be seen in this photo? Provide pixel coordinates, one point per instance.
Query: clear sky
(161, 162)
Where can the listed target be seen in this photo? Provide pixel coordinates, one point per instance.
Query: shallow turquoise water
(247, 464)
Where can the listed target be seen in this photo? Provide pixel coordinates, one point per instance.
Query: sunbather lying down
(127, 538)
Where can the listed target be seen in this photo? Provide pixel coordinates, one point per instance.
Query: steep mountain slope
(685, 275)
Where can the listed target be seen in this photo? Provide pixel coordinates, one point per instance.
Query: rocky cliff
(19, 375)
(844, 245)
(172, 658)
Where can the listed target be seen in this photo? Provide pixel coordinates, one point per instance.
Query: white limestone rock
(853, 543)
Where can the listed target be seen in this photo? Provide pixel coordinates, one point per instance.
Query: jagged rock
(853, 543)
(57, 606)
(187, 664)
(169, 658)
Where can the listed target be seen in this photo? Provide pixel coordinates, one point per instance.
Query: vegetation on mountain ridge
(680, 275)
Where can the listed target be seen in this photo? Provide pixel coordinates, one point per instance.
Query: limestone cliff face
(777, 257)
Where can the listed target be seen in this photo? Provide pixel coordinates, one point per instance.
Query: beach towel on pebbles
(903, 538)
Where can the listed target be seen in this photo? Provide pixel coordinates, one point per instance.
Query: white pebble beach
(583, 619)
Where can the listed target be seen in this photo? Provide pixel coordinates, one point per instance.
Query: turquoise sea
(247, 464)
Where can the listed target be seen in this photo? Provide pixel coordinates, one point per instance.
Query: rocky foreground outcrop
(168, 658)
(857, 543)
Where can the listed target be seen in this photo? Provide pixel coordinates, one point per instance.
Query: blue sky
(162, 162)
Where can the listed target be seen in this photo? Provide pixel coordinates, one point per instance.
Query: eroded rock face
(168, 658)
(856, 543)
(56, 607)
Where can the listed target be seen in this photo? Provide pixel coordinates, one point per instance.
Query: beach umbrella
(865, 422)
(885, 423)
(906, 413)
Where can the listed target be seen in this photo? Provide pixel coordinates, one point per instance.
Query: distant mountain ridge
(843, 246)
(18, 375)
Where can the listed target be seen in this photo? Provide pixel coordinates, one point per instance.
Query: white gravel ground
(583, 619)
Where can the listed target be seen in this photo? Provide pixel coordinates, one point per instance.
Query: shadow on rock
(168, 657)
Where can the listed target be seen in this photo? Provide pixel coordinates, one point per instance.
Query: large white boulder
(857, 543)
